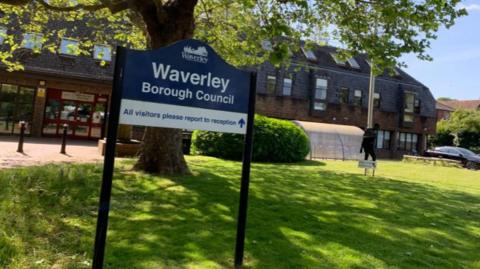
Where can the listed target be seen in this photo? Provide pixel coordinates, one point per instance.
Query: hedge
(274, 140)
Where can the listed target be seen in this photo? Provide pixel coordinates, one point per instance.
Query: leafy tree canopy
(384, 29)
(461, 121)
(445, 99)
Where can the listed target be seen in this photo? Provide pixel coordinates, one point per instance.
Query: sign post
(187, 86)
(247, 159)
(108, 163)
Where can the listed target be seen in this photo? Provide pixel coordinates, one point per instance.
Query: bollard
(22, 134)
(64, 139)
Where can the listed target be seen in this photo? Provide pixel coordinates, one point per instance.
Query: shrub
(273, 141)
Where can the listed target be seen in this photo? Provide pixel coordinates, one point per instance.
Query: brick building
(64, 88)
(56, 89)
(318, 87)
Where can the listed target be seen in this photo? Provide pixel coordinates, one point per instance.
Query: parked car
(469, 159)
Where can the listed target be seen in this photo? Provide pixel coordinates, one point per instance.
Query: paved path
(39, 151)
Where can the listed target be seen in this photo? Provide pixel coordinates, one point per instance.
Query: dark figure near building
(368, 142)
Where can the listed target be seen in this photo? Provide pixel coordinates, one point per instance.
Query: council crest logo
(199, 55)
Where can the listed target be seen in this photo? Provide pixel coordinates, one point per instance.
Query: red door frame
(98, 99)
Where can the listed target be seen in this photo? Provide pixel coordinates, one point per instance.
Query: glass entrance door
(83, 113)
(83, 119)
(16, 104)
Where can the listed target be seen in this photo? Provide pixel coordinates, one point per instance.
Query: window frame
(66, 53)
(417, 105)
(322, 106)
(339, 62)
(377, 100)
(309, 54)
(102, 46)
(321, 88)
(290, 88)
(271, 88)
(37, 37)
(410, 142)
(320, 94)
(383, 139)
(406, 108)
(3, 34)
(353, 63)
(358, 100)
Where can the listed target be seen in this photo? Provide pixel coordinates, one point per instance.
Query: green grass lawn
(309, 215)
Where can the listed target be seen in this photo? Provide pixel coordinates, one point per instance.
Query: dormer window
(336, 59)
(3, 34)
(353, 63)
(32, 41)
(309, 54)
(102, 53)
(69, 47)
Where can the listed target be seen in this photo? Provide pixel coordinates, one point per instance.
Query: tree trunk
(161, 149)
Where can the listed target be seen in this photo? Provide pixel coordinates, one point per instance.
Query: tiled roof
(442, 106)
(325, 59)
(463, 104)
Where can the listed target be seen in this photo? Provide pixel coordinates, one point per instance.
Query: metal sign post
(247, 159)
(108, 164)
(187, 86)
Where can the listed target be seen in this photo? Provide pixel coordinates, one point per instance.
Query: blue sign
(185, 85)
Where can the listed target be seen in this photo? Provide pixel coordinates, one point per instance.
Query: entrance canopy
(333, 141)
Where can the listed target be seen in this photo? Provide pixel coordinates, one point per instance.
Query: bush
(273, 141)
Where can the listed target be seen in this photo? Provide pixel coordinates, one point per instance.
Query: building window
(343, 95)
(321, 89)
(3, 34)
(320, 106)
(337, 60)
(16, 104)
(102, 52)
(287, 86)
(309, 54)
(376, 100)
(69, 47)
(408, 118)
(407, 142)
(32, 41)
(417, 106)
(383, 139)
(320, 97)
(358, 97)
(409, 102)
(353, 63)
(271, 83)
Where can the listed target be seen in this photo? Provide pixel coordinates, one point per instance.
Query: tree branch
(114, 6)
(15, 2)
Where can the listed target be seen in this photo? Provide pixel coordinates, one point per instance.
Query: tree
(445, 99)
(237, 30)
(462, 129)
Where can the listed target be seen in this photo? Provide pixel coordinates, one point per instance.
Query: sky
(455, 70)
